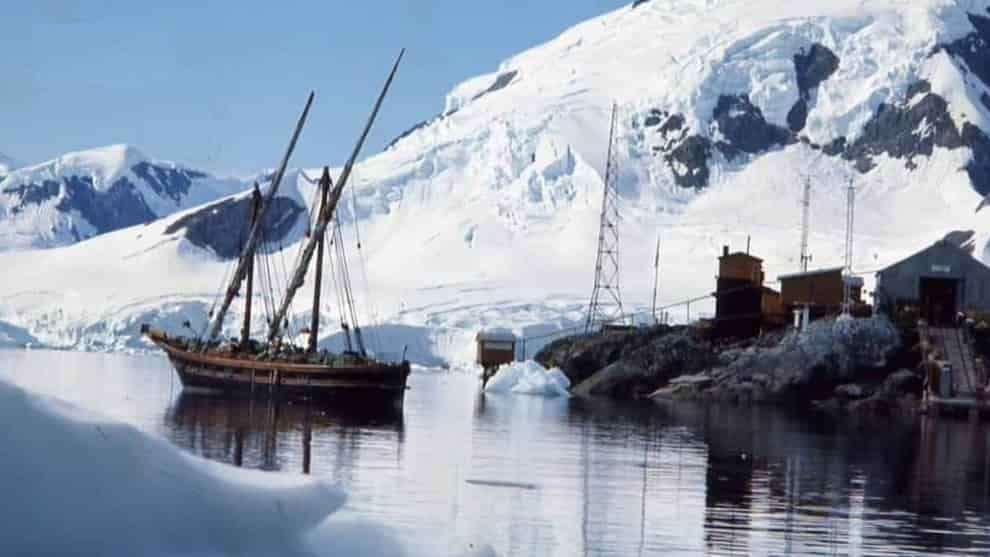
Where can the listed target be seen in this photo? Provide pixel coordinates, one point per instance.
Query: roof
(741, 254)
(941, 244)
(854, 281)
(811, 273)
(497, 335)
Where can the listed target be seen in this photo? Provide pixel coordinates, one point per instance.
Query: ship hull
(363, 384)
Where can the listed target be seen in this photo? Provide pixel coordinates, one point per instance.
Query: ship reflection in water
(274, 434)
(535, 476)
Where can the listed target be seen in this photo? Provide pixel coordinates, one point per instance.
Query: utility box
(945, 382)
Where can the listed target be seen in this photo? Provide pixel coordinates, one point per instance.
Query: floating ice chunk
(529, 378)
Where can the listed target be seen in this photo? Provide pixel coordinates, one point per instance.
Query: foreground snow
(529, 378)
(75, 484)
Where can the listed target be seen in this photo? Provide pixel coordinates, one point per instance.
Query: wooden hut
(495, 348)
(743, 306)
(822, 289)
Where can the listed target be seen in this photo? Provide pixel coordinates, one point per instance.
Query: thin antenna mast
(656, 281)
(850, 228)
(607, 310)
(805, 224)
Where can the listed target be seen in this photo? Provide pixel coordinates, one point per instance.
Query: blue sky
(218, 85)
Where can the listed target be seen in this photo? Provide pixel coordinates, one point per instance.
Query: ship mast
(247, 255)
(246, 328)
(314, 328)
(326, 213)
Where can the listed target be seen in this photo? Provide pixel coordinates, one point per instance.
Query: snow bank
(77, 485)
(529, 378)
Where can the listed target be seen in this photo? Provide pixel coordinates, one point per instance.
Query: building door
(938, 300)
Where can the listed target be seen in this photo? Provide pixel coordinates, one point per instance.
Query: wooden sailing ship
(275, 367)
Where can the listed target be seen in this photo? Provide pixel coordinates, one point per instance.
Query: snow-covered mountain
(82, 194)
(7, 164)
(486, 214)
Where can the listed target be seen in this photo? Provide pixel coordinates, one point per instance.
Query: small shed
(496, 347)
(822, 289)
(940, 281)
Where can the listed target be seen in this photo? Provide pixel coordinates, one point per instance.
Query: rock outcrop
(641, 371)
(580, 357)
(802, 367)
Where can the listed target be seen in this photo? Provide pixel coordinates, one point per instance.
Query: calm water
(532, 476)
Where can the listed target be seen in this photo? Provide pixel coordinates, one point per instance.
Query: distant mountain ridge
(82, 194)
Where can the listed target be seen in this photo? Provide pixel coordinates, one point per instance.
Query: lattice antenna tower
(850, 228)
(606, 298)
(805, 224)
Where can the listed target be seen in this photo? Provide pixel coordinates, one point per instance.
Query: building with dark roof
(940, 280)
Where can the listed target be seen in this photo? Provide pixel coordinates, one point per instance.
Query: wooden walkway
(968, 376)
(956, 351)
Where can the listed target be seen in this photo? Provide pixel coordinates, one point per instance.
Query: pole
(299, 273)
(314, 327)
(805, 224)
(255, 237)
(656, 281)
(850, 219)
(246, 328)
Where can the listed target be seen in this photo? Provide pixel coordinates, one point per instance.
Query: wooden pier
(969, 392)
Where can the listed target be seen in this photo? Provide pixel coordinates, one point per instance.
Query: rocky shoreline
(843, 364)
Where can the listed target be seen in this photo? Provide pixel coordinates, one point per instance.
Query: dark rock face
(501, 82)
(692, 155)
(643, 370)
(918, 88)
(167, 182)
(580, 357)
(904, 132)
(745, 129)
(686, 155)
(223, 226)
(33, 194)
(638, 3)
(973, 49)
(410, 131)
(798, 115)
(119, 206)
(914, 128)
(978, 167)
(812, 67)
(836, 147)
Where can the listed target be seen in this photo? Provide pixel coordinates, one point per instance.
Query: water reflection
(535, 476)
(273, 435)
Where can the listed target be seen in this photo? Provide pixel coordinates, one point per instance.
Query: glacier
(486, 214)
